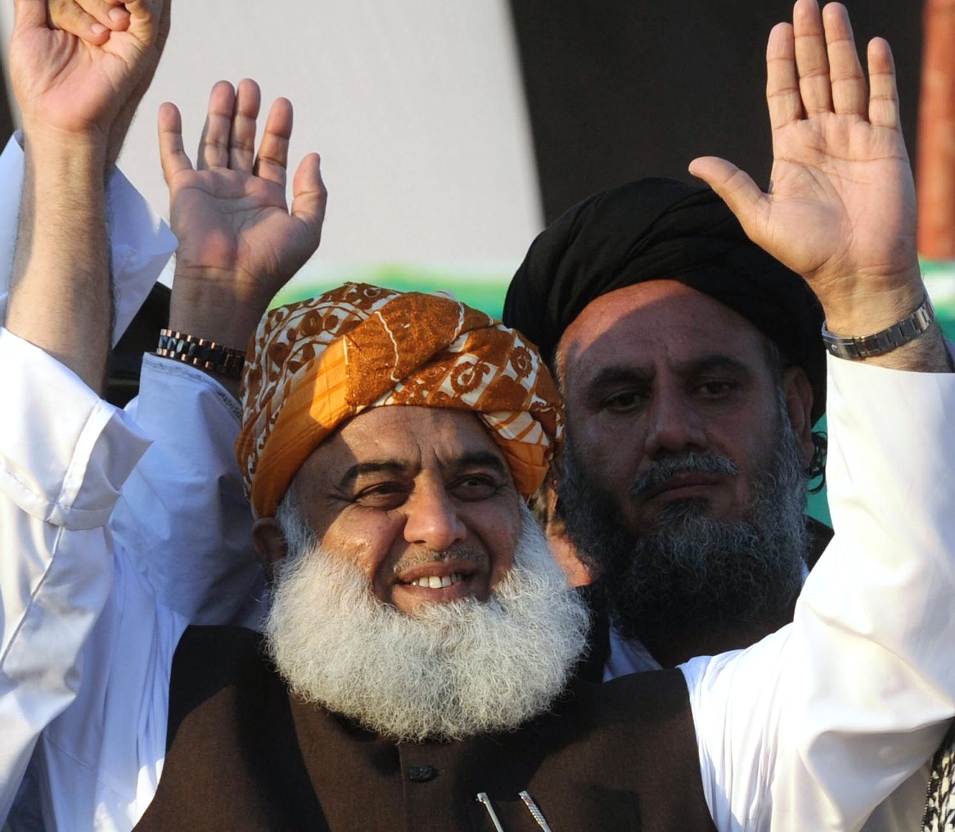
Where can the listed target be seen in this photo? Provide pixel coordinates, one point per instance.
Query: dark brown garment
(245, 756)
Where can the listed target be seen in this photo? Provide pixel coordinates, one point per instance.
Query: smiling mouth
(436, 581)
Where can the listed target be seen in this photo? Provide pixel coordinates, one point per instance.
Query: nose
(431, 518)
(674, 425)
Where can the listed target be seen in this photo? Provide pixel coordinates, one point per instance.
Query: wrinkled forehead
(660, 320)
(406, 438)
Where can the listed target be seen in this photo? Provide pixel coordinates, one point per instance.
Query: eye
(622, 401)
(383, 496)
(472, 488)
(716, 389)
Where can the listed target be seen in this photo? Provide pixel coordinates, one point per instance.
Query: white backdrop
(416, 106)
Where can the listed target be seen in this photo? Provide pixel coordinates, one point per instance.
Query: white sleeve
(183, 515)
(816, 725)
(140, 242)
(64, 455)
(98, 763)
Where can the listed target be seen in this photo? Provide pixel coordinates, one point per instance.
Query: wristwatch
(879, 343)
(201, 353)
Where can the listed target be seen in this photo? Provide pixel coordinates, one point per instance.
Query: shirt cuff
(160, 377)
(64, 452)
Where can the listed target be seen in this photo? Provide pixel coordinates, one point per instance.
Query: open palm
(239, 241)
(841, 206)
(845, 184)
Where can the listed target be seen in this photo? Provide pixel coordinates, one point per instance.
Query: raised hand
(94, 21)
(91, 20)
(70, 93)
(841, 205)
(239, 242)
(72, 87)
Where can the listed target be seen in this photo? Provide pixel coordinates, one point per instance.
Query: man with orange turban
(318, 363)
(419, 665)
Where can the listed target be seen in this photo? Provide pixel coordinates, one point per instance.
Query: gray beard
(455, 670)
(695, 575)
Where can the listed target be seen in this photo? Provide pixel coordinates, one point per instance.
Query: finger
(214, 142)
(884, 96)
(144, 20)
(782, 82)
(737, 189)
(171, 151)
(111, 13)
(812, 63)
(71, 17)
(308, 204)
(849, 93)
(272, 160)
(248, 98)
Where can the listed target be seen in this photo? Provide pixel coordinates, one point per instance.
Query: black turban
(661, 229)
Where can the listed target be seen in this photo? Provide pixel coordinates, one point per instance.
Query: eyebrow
(378, 467)
(484, 459)
(717, 361)
(614, 374)
(714, 361)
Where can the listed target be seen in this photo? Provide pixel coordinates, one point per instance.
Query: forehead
(411, 437)
(653, 322)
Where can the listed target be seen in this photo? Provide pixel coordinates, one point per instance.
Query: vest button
(421, 773)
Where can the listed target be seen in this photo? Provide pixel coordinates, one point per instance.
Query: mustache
(460, 553)
(691, 462)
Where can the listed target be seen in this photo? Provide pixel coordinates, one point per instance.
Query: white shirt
(185, 480)
(807, 730)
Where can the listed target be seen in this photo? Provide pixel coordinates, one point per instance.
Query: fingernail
(118, 13)
(97, 28)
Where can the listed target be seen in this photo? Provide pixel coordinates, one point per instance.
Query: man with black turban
(412, 673)
(693, 368)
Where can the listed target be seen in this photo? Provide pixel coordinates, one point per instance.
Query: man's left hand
(841, 205)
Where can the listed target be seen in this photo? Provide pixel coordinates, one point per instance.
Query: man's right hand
(73, 88)
(70, 94)
(91, 20)
(94, 21)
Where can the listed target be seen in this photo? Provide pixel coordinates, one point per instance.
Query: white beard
(452, 670)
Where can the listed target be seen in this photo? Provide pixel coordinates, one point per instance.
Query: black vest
(244, 755)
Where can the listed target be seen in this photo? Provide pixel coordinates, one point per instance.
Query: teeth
(434, 582)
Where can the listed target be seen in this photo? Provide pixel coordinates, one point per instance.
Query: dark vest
(245, 755)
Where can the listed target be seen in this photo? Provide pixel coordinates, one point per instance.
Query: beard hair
(452, 670)
(695, 575)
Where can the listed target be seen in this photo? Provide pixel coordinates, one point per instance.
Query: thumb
(172, 155)
(737, 189)
(309, 199)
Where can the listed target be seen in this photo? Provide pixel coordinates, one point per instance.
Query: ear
(269, 542)
(798, 392)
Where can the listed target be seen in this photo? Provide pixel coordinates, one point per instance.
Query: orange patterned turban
(314, 364)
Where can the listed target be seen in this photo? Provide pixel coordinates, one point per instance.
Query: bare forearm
(61, 298)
